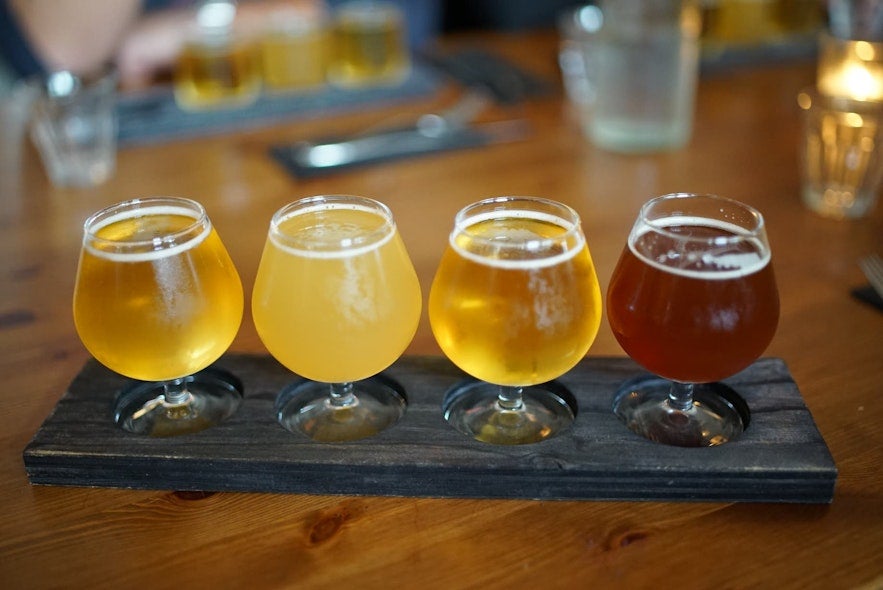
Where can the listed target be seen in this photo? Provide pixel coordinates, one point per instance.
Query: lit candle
(851, 69)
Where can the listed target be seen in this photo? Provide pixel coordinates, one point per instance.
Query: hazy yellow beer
(294, 55)
(515, 316)
(336, 298)
(157, 296)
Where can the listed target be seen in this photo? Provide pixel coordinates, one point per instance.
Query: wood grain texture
(744, 146)
(780, 458)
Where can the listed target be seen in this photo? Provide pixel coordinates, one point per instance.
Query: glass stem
(175, 392)
(178, 401)
(341, 395)
(680, 396)
(509, 398)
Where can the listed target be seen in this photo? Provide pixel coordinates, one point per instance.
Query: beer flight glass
(157, 299)
(693, 300)
(515, 303)
(336, 300)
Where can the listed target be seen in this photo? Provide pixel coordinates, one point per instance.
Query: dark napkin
(868, 295)
(474, 67)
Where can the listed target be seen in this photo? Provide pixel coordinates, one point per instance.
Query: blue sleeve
(14, 47)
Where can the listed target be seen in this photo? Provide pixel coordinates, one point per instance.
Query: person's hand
(152, 46)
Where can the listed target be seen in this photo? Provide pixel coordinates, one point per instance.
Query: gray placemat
(155, 117)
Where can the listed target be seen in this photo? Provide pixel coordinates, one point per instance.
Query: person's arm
(81, 36)
(72, 34)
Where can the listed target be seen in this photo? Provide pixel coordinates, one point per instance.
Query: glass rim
(566, 212)
(101, 217)
(757, 231)
(337, 201)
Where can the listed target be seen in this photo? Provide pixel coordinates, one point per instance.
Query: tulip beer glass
(158, 299)
(336, 300)
(515, 303)
(693, 300)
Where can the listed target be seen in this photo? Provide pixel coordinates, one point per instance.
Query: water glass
(74, 126)
(640, 60)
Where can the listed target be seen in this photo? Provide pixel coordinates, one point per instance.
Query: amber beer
(157, 295)
(693, 317)
(520, 320)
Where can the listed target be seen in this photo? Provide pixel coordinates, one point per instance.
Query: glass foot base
(474, 409)
(306, 408)
(215, 395)
(718, 414)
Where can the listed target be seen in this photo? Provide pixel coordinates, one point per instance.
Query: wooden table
(744, 146)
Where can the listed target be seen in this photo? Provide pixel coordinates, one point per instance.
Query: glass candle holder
(850, 68)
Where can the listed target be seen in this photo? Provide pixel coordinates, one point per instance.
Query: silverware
(872, 266)
(431, 132)
(462, 112)
(394, 144)
(369, 143)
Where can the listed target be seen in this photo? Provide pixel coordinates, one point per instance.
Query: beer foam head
(331, 230)
(144, 234)
(722, 250)
(511, 240)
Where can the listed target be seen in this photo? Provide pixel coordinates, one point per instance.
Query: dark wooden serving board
(781, 457)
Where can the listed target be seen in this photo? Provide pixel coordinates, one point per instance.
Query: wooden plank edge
(786, 486)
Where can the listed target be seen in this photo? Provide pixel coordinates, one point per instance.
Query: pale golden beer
(515, 320)
(336, 297)
(370, 44)
(515, 303)
(157, 296)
